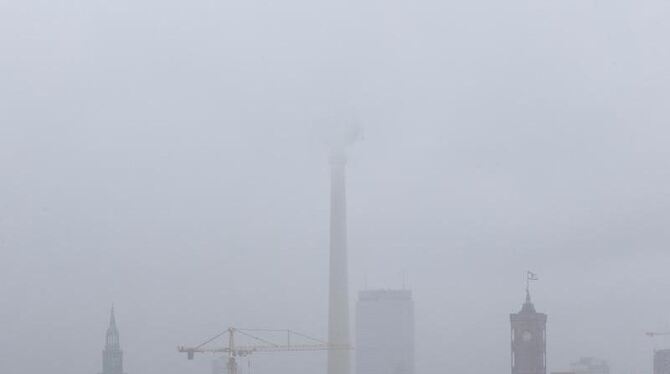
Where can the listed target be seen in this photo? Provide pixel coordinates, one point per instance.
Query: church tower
(529, 340)
(112, 355)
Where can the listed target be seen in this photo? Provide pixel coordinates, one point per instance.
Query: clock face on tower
(526, 336)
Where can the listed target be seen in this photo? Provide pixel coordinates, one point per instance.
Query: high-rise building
(385, 332)
(112, 355)
(590, 365)
(662, 361)
(529, 340)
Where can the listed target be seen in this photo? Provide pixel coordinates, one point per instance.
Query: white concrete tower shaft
(338, 313)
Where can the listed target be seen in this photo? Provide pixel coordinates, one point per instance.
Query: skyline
(382, 294)
(567, 304)
(487, 301)
(172, 158)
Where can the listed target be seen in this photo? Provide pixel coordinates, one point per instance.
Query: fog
(171, 158)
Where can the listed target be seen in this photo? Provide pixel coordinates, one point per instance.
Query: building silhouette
(529, 340)
(590, 365)
(112, 355)
(385, 332)
(219, 365)
(662, 361)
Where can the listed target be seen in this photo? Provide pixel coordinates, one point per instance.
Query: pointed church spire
(112, 356)
(112, 331)
(112, 318)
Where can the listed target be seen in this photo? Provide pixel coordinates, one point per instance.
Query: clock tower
(529, 340)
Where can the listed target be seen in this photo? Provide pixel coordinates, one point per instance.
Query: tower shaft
(338, 313)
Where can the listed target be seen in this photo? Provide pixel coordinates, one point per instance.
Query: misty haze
(334, 187)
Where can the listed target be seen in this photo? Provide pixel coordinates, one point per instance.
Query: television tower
(339, 358)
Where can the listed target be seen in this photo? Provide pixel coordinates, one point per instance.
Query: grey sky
(168, 156)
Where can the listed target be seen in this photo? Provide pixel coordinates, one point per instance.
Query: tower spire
(112, 356)
(112, 318)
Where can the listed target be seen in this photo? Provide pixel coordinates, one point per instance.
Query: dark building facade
(662, 361)
(112, 355)
(529, 340)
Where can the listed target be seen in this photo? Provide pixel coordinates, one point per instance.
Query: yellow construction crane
(263, 345)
